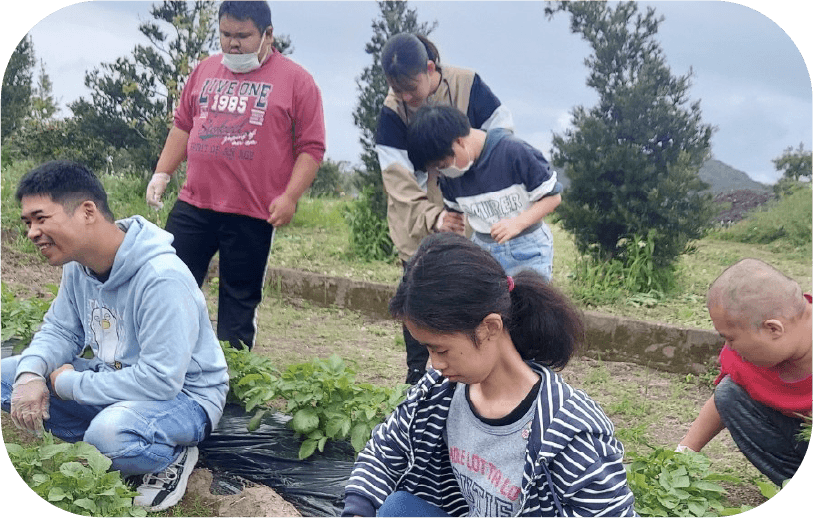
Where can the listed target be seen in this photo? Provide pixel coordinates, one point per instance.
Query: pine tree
(15, 99)
(633, 158)
(43, 104)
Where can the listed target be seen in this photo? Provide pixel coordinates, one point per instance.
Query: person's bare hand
(506, 229)
(450, 221)
(281, 210)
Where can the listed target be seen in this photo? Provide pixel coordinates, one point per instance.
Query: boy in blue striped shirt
(503, 185)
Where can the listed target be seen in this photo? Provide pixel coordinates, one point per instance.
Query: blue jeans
(529, 251)
(402, 503)
(765, 436)
(137, 436)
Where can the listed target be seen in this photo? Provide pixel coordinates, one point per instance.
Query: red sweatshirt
(246, 131)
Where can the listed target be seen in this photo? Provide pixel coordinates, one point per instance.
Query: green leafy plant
(631, 272)
(369, 233)
(22, 317)
(322, 397)
(666, 483)
(74, 477)
(804, 433)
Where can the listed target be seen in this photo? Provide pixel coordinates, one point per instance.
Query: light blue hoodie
(147, 325)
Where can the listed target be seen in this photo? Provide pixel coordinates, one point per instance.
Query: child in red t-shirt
(764, 386)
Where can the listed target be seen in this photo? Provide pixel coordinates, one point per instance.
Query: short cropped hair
(432, 132)
(752, 291)
(257, 12)
(67, 183)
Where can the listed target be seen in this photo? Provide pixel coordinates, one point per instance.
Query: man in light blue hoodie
(156, 382)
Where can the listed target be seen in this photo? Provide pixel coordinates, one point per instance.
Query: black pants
(417, 357)
(243, 244)
(765, 436)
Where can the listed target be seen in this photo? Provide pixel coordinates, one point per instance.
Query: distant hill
(721, 177)
(724, 178)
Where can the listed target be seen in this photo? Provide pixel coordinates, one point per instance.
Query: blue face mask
(243, 63)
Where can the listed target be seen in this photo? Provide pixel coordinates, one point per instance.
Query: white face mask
(243, 63)
(455, 172)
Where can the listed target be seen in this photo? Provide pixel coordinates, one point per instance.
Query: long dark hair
(404, 56)
(450, 285)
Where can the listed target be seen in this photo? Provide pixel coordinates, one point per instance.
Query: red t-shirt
(765, 385)
(246, 131)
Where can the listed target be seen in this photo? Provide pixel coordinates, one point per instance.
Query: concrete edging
(662, 346)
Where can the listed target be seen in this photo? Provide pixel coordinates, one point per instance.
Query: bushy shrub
(369, 233)
(632, 272)
(59, 139)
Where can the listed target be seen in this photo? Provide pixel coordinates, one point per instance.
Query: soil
(742, 202)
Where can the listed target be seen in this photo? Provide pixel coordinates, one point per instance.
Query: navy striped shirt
(571, 441)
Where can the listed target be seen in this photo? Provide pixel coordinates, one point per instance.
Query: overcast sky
(749, 74)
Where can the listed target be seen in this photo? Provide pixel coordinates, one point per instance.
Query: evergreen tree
(395, 17)
(633, 158)
(132, 99)
(43, 104)
(15, 99)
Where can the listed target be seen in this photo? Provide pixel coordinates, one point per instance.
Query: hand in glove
(156, 188)
(29, 403)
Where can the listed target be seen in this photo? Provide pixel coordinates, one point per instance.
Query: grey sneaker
(159, 491)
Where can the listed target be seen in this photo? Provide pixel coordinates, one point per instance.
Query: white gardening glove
(682, 448)
(29, 403)
(156, 188)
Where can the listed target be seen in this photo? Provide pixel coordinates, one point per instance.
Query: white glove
(156, 188)
(29, 403)
(682, 448)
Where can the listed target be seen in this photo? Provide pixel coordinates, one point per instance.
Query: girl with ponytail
(491, 429)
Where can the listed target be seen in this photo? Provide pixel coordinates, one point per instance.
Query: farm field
(650, 409)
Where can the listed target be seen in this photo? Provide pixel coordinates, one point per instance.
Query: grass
(317, 241)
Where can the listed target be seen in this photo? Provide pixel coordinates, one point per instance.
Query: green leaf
(55, 494)
(359, 435)
(71, 469)
(668, 501)
(696, 508)
(48, 451)
(86, 503)
(708, 486)
(307, 448)
(39, 479)
(95, 459)
(14, 450)
(305, 421)
(768, 489)
(256, 420)
(681, 480)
